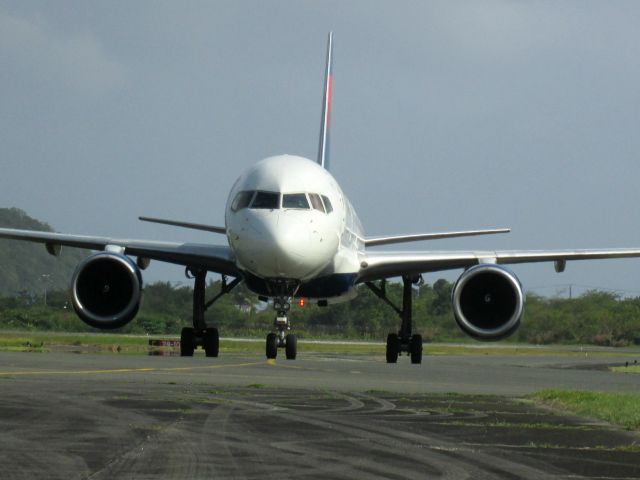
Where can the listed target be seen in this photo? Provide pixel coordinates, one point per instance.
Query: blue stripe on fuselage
(323, 287)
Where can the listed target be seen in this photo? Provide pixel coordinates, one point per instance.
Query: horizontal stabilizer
(373, 241)
(193, 226)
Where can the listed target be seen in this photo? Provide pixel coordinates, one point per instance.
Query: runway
(322, 416)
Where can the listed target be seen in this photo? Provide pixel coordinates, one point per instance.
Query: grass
(138, 344)
(621, 409)
(629, 369)
(598, 448)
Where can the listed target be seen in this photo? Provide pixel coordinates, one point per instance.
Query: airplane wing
(194, 226)
(378, 265)
(214, 258)
(374, 241)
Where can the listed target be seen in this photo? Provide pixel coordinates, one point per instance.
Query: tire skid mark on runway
(231, 444)
(226, 439)
(175, 450)
(325, 458)
(318, 460)
(128, 460)
(496, 467)
(385, 441)
(245, 446)
(62, 427)
(353, 404)
(383, 404)
(322, 458)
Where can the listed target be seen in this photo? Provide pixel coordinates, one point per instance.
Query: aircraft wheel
(211, 342)
(415, 348)
(291, 347)
(272, 345)
(393, 348)
(187, 341)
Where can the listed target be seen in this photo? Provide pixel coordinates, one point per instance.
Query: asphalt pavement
(321, 416)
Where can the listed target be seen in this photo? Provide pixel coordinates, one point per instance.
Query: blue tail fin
(325, 124)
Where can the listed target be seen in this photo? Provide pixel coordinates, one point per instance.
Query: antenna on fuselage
(325, 124)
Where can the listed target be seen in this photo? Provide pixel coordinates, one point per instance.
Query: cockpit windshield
(316, 203)
(242, 200)
(266, 200)
(271, 201)
(327, 204)
(295, 200)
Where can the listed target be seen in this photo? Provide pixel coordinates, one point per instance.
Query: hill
(23, 264)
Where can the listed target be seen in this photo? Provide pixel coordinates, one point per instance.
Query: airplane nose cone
(281, 245)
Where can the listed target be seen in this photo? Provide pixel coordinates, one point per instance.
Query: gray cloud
(447, 115)
(71, 60)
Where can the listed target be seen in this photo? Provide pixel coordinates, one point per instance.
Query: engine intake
(106, 290)
(488, 302)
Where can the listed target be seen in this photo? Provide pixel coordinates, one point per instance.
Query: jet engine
(106, 290)
(488, 302)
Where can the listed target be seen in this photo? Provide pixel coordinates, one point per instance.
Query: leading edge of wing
(217, 258)
(191, 225)
(376, 265)
(375, 241)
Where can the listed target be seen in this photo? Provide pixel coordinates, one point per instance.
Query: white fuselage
(287, 218)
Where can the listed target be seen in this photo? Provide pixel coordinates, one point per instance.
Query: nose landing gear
(282, 339)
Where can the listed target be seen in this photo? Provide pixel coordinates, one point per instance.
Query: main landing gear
(282, 339)
(200, 335)
(403, 341)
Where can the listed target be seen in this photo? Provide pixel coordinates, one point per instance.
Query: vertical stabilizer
(325, 124)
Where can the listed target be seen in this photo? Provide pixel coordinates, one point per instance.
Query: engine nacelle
(488, 302)
(106, 290)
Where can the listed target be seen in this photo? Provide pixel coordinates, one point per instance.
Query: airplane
(292, 233)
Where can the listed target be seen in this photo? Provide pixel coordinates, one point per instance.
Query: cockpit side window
(295, 200)
(316, 202)
(242, 200)
(327, 204)
(266, 200)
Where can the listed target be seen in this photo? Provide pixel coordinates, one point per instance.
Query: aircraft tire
(415, 348)
(272, 346)
(393, 348)
(211, 342)
(186, 342)
(291, 347)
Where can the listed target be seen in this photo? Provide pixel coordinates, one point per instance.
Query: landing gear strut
(200, 335)
(403, 341)
(282, 339)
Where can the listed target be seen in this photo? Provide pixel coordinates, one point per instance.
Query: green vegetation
(617, 408)
(629, 369)
(595, 318)
(98, 342)
(598, 448)
(27, 268)
(132, 344)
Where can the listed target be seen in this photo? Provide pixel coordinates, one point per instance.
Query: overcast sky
(447, 115)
